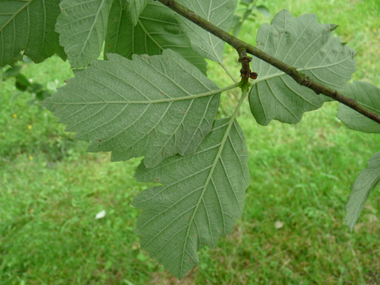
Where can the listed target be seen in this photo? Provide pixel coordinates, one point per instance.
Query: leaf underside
(150, 106)
(135, 8)
(157, 29)
(201, 197)
(220, 13)
(28, 26)
(82, 26)
(307, 45)
(362, 187)
(369, 97)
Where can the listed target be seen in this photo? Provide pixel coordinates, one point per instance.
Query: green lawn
(51, 189)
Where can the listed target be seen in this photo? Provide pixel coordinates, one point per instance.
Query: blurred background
(52, 193)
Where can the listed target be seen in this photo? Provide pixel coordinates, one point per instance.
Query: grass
(51, 189)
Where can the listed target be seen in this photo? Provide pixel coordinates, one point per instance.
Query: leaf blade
(135, 9)
(367, 180)
(154, 106)
(369, 97)
(82, 27)
(207, 194)
(29, 26)
(157, 29)
(220, 14)
(307, 45)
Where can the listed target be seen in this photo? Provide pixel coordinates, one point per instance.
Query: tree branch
(239, 45)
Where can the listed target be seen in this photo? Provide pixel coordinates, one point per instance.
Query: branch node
(245, 59)
(245, 71)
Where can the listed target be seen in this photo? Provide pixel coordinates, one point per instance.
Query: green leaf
(42, 95)
(201, 197)
(12, 71)
(28, 26)
(135, 8)
(22, 83)
(237, 28)
(35, 87)
(263, 10)
(369, 97)
(156, 29)
(363, 185)
(154, 106)
(82, 26)
(307, 45)
(220, 13)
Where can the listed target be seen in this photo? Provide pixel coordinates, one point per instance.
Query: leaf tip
(333, 27)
